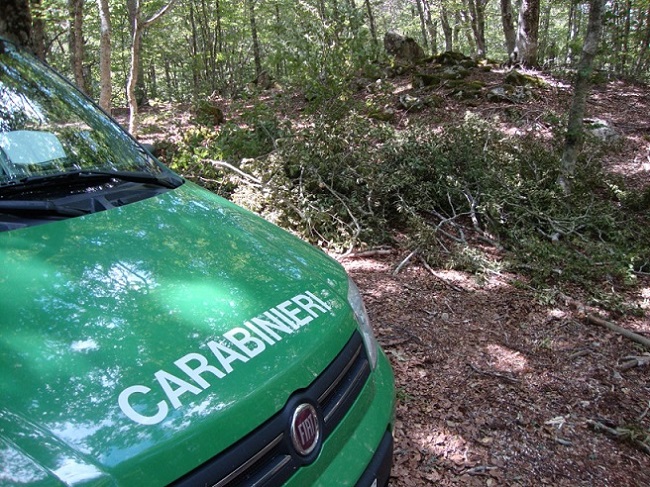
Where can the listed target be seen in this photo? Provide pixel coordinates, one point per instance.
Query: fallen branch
(623, 434)
(494, 374)
(632, 361)
(480, 470)
(621, 331)
(229, 166)
(591, 318)
(405, 261)
(370, 253)
(432, 272)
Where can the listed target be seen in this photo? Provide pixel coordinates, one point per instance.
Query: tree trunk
(76, 43)
(371, 22)
(105, 83)
(38, 29)
(477, 20)
(572, 30)
(256, 43)
(626, 36)
(432, 26)
(645, 46)
(544, 44)
(138, 27)
(16, 22)
(194, 51)
(132, 81)
(423, 25)
(575, 134)
(465, 23)
(527, 33)
(446, 28)
(508, 22)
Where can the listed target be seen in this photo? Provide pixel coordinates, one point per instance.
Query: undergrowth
(464, 196)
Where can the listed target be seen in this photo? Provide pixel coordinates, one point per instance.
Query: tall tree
(645, 46)
(477, 20)
(138, 27)
(16, 21)
(105, 83)
(508, 22)
(446, 28)
(575, 131)
(423, 25)
(257, 58)
(38, 29)
(527, 33)
(76, 42)
(432, 26)
(371, 23)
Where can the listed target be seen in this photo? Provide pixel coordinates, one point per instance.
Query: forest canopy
(198, 47)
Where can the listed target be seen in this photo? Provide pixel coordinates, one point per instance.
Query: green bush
(465, 196)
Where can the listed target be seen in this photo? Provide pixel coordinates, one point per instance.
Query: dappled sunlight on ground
(494, 387)
(506, 360)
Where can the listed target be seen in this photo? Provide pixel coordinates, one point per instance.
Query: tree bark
(76, 43)
(508, 22)
(38, 29)
(545, 50)
(446, 28)
(527, 33)
(645, 45)
(423, 27)
(575, 133)
(432, 26)
(371, 22)
(105, 83)
(138, 27)
(256, 43)
(477, 18)
(16, 22)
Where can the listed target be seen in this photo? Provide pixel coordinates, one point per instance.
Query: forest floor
(499, 385)
(502, 385)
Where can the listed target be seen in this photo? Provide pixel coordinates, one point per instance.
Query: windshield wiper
(39, 207)
(168, 181)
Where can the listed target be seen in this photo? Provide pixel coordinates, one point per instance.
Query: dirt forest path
(497, 387)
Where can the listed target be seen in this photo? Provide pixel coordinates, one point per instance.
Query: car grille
(265, 456)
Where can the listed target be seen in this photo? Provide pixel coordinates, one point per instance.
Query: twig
(643, 415)
(432, 272)
(234, 169)
(495, 374)
(479, 470)
(368, 253)
(632, 361)
(619, 434)
(405, 261)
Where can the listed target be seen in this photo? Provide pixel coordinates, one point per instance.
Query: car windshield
(48, 129)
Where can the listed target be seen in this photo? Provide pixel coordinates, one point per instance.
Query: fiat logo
(305, 429)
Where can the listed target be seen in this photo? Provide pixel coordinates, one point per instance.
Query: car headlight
(356, 302)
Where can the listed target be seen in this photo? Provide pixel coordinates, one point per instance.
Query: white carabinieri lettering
(237, 345)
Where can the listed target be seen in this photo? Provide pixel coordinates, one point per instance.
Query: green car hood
(140, 341)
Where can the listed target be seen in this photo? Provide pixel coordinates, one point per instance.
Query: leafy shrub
(465, 196)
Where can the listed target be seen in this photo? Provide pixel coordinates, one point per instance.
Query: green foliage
(465, 197)
(254, 136)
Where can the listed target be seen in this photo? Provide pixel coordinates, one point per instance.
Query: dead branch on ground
(637, 439)
(595, 320)
(632, 361)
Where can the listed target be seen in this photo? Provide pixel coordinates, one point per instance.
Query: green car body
(141, 343)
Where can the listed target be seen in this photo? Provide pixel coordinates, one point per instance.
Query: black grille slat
(261, 457)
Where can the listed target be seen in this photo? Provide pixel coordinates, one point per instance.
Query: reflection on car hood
(138, 342)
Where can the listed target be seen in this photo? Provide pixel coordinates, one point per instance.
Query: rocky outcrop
(403, 49)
